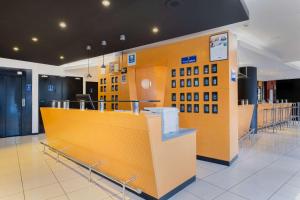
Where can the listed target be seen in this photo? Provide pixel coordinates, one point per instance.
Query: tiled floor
(268, 168)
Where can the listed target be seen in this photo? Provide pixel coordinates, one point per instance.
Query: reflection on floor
(268, 168)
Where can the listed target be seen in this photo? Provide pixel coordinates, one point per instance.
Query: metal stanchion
(82, 105)
(136, 107)
(101, 106)
(53, 103)
(66, 104)
(58, 104)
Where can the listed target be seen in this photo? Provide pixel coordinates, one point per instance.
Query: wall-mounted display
(181, 71)
(214, 81)
(218, 47)
(196, 82)
(206, 81)
(196, 70)
(206, 69)
(182, 108)
(189, 108)
(181, 83)
(196, 96)
(189, 96)
(174, 97)
(173, 73)
(173, 83)
(214, 68)
(189, 71)
(189, 82)
(215, 96)
(206, 96)
(215, 108)
(206, 108)
(196, 108)
(182, 97)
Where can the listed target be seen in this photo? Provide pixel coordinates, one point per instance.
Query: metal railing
(135, 104)
(92, 167)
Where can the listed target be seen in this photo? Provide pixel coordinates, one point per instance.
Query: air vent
(173, 3)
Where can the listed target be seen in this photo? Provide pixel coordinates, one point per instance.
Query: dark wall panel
(288, 89)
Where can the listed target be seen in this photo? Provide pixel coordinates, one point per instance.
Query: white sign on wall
(131, 59)
(218, 47)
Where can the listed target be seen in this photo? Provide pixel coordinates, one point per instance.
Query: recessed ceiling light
(155, 29)
(61, 57)
(16, 49)
(35, 39)
(62, 24)
(106, 3)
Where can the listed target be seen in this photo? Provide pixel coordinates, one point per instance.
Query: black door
(92, 89)
(11, 105)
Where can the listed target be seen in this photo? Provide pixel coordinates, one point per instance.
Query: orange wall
(217, 134)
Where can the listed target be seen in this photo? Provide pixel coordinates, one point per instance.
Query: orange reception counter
(126, 146)
(245, 117)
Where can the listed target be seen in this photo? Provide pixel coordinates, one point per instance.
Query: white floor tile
(185, 196)
(43, 193)
(229, 196)
(91, 193)
(19, 196)
(204, 190)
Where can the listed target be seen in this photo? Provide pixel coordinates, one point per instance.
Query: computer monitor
(87, 99)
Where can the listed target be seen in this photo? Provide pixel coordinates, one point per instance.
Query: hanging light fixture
(122, 39)
(89, 48)
(103, 43)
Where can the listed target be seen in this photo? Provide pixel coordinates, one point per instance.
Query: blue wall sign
(28, 87)
(50, 88)
(233, 75)
(190, 59)
(131, 59)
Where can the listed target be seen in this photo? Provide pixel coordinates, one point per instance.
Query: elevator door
(11, 105)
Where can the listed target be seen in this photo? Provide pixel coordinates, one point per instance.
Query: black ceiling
(90, 23)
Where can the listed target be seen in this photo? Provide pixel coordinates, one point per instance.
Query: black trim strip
(217, 161)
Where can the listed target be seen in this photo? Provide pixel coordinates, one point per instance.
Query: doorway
(11, 104)
(92, 89)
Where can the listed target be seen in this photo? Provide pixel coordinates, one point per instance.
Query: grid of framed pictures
(188, 85)
(109, 87)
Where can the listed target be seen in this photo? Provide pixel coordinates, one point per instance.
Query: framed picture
(112, 88)
(196, 96)
(173, 73)
(173, 83)
(215, 109)
(215, 96)
(104, 81)
(104, 89)
(116, 79)
(181, 71)
(112, 106)
(181, 83)
(196, 70)
(101, 81)
(189, 71)
(182, 97)
(116, 98)
(104, 106)
(112, 98)
(206, 81)
(214, 81)
(112, 79)
(196, 82)
(218, 47)
(196, 108)
(214, 68)
(116, 88)
(174, 97)
(182, 108)
(116, 106)
(206, 69)
(101, 98)
(206, 96)
(189, 96)
(189, 108)
(104, 97)
(101, 89)
(206, 108)
(189, 82)
(173, 105)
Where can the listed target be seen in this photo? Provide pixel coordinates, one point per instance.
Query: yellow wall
(217, 134)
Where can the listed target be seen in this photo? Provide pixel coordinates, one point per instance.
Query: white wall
(36, 70)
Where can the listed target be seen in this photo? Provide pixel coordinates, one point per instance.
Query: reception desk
(245, 117)
(126, 145)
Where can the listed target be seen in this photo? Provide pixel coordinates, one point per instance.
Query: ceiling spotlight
(122, 37)
(16, 49)
(35, 39)
(62, 24)
(155, 30)
(61, 57)
(106, 3)
(88, 47)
